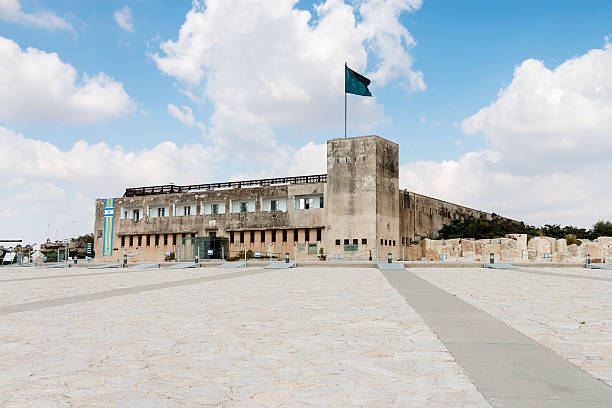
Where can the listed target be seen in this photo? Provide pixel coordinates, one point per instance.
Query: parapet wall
(422, 216)
(511, 248)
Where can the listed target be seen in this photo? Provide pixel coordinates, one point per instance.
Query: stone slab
(507, 367)
(390, 266)
(499, 266)
(231, 265)
(280, 265)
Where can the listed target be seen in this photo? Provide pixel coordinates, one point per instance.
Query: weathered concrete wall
(422, 216)
(351, 188)
(387, 198)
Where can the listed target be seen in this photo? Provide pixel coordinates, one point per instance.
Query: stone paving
(306, 337)
(570, 316)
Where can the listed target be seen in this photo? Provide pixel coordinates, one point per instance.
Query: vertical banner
(109, 212)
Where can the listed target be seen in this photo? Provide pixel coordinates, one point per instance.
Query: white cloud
(43, 184)
(550, 147)
(10, 10)
(184, 115)
(267, 66)
(124, 18)
(552, 118)
(38, 86)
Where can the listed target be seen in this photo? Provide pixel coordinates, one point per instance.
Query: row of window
(364, 241)
(239, 237)
(142, 240)
(275, 204)
(387, 242)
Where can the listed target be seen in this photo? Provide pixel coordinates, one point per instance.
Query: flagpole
(345, 99)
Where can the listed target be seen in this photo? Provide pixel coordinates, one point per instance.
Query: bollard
(389, 258)
(124, 261)
(588, 259)
(492, 258)
(196, 260)
(286, 257)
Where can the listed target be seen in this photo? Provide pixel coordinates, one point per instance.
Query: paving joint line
(89, 297)
(490, 352)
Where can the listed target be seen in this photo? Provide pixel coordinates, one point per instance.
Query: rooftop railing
(171, 188)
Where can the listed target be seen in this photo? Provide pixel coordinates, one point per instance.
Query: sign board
(312, 249)
(336, 256)
(89, 247)
(443, 257)
(546, 255)
(131, 255)
(9, 257)
(211, 252)
(167, 253)
(65, 241)
(212, 223)
(257, 254)
(350, 248)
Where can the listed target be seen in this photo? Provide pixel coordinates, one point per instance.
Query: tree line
(480, 228)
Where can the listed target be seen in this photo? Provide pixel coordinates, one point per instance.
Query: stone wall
(422, 216)
(511, 248)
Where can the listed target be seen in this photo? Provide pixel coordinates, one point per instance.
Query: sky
(500, 106)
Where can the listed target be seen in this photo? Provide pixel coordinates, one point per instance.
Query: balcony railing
(171, 188)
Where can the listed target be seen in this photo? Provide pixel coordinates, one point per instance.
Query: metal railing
(171, 188)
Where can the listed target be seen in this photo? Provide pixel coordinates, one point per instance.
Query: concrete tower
(362, 197)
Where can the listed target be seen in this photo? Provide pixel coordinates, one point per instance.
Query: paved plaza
(304, 337)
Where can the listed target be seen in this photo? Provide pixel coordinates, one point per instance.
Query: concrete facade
(354, 211)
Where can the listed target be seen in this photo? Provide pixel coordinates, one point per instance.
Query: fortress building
(354, 211)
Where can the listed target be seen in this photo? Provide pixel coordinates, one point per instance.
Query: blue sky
(465, 52)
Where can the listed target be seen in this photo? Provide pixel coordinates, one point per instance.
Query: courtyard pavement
(305, 337)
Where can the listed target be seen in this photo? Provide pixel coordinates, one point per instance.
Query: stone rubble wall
(511, 248)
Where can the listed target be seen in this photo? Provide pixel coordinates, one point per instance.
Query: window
(273, 235)
(125, 215)
(307, 234)
(295, 235)
(193, 235)
(402, 240)
(122, 241)
(214, 208)
(252, 236)
(131, 240)
(136, 215)
(320, 202)
(346, 242)
(274, 205)
(364, 241)
(148, 240)
(173, 239)
(263, 236)
(355, 241)
(161, 212)
(138, 240)
(244, 207)
(231, 237)
(165, 239)
(385, 242)
(318, 234)
(393, 242)
(381, 241)
(242, 237)
(337, 242)
(187, 210)
(156, 239)
(284, 235)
